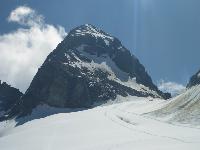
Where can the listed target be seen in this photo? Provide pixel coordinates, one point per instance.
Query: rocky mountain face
(88, 67)
(194, 80)
(8, 97)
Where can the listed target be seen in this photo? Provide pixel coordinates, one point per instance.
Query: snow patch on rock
(97, 33)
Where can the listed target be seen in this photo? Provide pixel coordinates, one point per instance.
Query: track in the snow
(115, 114)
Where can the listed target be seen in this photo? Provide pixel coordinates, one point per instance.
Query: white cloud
(23, 51)
(171, 87)
(26, 16)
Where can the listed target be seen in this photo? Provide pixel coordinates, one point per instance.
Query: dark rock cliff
(9, 96)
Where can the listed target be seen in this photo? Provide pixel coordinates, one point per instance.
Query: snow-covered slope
(114, 127)
(184, 108)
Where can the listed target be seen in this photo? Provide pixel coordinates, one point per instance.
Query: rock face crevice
(89, 66)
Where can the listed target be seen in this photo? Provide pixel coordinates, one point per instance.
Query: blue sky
(163, 34)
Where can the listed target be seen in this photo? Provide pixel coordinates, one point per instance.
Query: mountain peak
(89, 66)
(90, 31)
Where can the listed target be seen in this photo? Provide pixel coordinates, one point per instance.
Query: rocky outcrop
(194, 80)
(8, 97)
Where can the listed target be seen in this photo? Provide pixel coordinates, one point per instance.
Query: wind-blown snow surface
(184, 108)
(118, 126)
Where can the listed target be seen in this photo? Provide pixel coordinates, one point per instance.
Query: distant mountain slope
(8, 97)
(89, 66)
(184, 108)
(194, 80)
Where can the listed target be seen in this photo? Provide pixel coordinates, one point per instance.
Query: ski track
(118, 118)
(121, 122)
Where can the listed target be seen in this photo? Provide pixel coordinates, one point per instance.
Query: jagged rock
(194, 80)
(8, 97)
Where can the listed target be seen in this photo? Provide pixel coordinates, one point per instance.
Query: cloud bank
(23, 51)
(171, 87)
